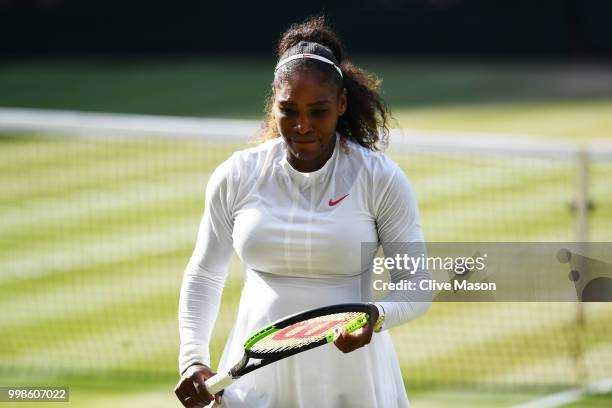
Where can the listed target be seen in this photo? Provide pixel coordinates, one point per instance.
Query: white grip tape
(218, 382)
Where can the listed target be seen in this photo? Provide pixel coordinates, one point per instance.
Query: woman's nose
(302, 125)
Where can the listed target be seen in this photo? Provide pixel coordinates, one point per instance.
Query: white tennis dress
(300, 238)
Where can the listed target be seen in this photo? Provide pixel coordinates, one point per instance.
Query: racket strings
(303, 333)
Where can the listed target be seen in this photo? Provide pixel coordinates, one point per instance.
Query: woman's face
(306, 110)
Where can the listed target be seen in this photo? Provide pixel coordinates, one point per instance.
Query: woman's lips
(304, 141)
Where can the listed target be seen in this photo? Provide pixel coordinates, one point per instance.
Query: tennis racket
(292, 335)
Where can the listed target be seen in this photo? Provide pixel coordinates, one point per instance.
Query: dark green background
(543, 28)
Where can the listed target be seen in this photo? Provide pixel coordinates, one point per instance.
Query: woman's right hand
(191, 390)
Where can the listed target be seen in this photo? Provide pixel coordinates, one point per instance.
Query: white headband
(307, 55)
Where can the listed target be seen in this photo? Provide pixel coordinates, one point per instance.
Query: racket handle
(218, 382)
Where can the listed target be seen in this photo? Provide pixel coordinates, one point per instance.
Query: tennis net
(99, 215)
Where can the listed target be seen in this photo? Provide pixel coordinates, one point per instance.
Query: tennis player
(297, 209)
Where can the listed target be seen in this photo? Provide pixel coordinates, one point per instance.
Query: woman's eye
(286, 111)
(292, 112)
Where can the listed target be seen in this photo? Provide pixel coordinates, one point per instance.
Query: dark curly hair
(366, 118)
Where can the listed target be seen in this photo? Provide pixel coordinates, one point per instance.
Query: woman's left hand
(348, 342)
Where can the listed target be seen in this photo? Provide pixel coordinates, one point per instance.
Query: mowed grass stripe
(163, 357)
(20, 290)
(154, 217)
(576, 120)
(543, 225)
(55, 184)
(77, 342)
(82, 210)
(418, 163)
(538, 211)
(601, 216)
(69, 156)
(492, 181)
(73, 152)
(483, 321)
(157, 356)
(145, 220)
(40, 153)
(517, 213)
(483, 361)
(114, 247)
(111, 323)
(465, 324)
(57, 180)
(597, 359)
(490, 184)
(92, 289)
(485, 203)
(26, 151)
(125, 311)
(91, 293)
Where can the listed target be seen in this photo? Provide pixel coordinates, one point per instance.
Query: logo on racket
(304, 330)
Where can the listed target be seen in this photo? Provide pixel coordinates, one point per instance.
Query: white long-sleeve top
(298, 229)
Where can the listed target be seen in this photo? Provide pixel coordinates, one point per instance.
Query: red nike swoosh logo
(332, 202)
